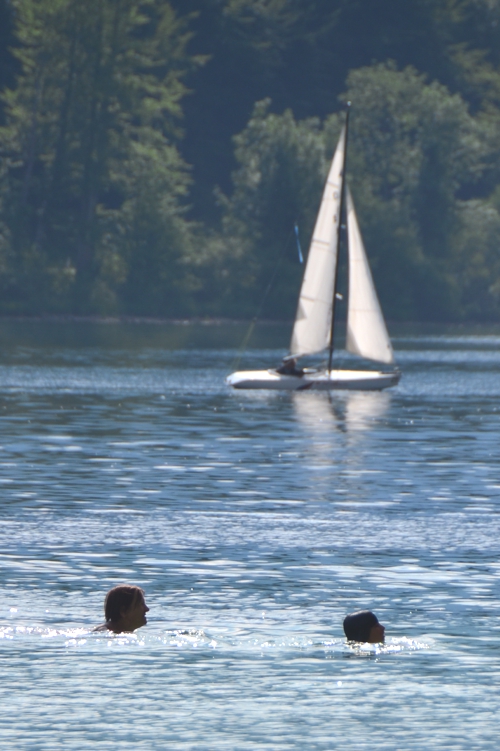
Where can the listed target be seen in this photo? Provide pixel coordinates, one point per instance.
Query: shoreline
(396, 327)
(149, 320)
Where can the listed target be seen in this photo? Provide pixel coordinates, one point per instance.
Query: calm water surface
(254, 522)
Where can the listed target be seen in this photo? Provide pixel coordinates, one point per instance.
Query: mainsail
(366, 331)
(312, 328)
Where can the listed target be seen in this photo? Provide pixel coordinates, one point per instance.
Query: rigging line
(256, 317)
(299, 248)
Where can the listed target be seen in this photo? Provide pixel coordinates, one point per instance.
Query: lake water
(254, 522)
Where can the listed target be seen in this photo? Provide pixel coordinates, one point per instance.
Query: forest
(156, 155)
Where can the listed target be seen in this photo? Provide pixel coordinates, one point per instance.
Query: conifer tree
(90, 131)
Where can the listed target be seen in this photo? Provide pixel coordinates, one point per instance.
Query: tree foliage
(281, 167)
(414, 149)
(298, 53)
(105, 104)
(90, 133)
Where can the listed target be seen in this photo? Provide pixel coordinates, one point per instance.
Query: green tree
(414, 151)
(298, 53)
(281, 167)
(414, 146)
(7, 61)
(476, 267)
(92, 122)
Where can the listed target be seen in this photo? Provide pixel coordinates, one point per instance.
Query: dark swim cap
(357, 626)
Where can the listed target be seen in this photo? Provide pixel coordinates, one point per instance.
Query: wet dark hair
(120, 598)
(357, 626)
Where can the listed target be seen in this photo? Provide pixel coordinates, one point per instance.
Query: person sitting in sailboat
(289, 367)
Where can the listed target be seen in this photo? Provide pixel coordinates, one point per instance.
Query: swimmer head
(363, 626)
(125, 608)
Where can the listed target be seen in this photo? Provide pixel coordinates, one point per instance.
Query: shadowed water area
(254, 521)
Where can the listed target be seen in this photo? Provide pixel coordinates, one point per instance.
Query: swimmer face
(377, 634)
(135, 616)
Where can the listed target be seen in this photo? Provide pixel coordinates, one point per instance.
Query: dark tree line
(157, 153)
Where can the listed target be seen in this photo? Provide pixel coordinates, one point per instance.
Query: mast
(339, 230)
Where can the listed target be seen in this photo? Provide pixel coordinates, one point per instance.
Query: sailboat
(313, 330)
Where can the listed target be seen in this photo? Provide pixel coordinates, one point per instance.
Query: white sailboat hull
(355, 380)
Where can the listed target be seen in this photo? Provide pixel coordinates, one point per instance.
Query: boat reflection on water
(357, 411)
(317, 413)
(337, 445)
(365, 409)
